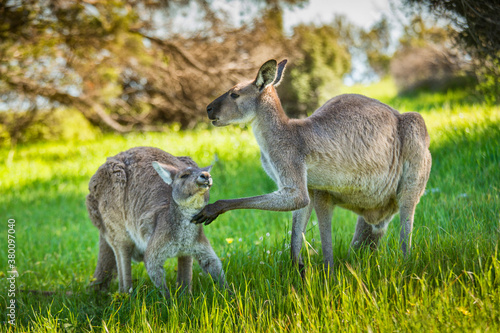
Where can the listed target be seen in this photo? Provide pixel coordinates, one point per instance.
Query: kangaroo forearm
(280, 201)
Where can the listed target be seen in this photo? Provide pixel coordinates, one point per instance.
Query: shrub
(429, 66)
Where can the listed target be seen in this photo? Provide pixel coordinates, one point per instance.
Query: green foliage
(477, 22)
(314, 75)
(375, 43)
(489, 81)
(450, 281)
(428, 59)
(477, 31)
(59, 124)
(420, 32)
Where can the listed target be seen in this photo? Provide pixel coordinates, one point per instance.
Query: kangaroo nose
(204, 180)
(210, 110)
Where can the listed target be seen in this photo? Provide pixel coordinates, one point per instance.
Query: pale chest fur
(181, 235)
(183, 239)
(268, 164)
(269, 167)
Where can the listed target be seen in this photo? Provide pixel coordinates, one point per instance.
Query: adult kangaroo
(354, 152)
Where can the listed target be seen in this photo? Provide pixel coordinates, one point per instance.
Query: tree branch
(179, 50)
(93, 111)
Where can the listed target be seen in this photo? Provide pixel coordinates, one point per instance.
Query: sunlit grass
(451, 281)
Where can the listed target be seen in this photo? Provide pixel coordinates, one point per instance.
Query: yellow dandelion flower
(464, 311)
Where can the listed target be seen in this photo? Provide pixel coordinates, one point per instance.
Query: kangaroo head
(190, 186)
(239, 105)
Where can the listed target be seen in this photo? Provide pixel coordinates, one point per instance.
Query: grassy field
(450, 282)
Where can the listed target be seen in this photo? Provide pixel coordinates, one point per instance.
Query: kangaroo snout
(210, 111)
(204, 179)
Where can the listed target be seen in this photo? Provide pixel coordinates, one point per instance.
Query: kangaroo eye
(234, 96)
(185, 175)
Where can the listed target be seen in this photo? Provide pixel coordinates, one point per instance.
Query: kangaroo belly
(374, 215)
(358, 187)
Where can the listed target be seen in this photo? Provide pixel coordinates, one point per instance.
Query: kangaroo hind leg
(106, 266)
(323, 205)
(369, 234)
(300, 218)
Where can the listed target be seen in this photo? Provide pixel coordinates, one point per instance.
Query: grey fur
(141, 217)
(354, 152)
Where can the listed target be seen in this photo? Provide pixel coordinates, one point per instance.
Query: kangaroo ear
(266, 75)
(279, 74)
(166, 172)
(208, 168)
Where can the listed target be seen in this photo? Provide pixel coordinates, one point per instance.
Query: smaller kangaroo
(143, 218)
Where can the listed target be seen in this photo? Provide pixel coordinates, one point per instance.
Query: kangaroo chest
(180, 236)
(268, 162)
(269, 167)
(184, 235)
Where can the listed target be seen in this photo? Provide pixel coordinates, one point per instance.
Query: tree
(118, 63)
(376, 43)
(321, 59)
(478, 28)
(477, 21)
(427, 57)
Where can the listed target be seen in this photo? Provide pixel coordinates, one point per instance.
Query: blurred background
(74, 69)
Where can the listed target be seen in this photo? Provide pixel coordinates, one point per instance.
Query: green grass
(450, 282)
